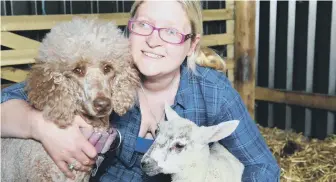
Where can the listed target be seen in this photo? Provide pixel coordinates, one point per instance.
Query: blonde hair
(203, 56)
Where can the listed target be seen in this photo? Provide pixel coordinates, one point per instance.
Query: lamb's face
(174, 149)
(94, 81)
(181, 144)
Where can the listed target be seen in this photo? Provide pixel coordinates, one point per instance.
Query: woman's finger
(81, 121)
(74, 164)
(63, 166)
(83, 159)
(86, 168)
(90, 152)
(86, 132)
(95, 137)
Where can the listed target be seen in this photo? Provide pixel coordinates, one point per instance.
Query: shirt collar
(184, 87)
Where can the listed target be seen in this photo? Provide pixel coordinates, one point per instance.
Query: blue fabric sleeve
(247, 143)
(15, 91)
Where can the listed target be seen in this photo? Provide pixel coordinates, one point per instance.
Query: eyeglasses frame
(185, 37)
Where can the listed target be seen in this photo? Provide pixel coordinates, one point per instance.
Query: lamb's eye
(107, 69)
(79, 71)
(179, 146)
(157, 131)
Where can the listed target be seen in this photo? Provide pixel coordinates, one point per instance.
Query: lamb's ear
(217, 132)
(170, 113)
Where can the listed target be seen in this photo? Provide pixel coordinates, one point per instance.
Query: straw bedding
(301, 158)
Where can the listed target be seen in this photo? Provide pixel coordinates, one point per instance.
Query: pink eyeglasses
(169, 35)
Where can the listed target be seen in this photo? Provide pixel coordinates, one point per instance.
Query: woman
(166, 59)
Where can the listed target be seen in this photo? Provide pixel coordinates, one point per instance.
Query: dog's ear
(124, 85)
(49, 91)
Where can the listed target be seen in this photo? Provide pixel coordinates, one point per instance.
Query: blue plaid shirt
(206, 98)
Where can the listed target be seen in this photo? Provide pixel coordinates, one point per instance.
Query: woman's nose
(154, 39)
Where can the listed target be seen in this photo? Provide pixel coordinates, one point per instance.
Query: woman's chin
(149, 70)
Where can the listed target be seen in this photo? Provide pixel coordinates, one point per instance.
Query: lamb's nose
(101, 104)
(144, 164)
(147, 163)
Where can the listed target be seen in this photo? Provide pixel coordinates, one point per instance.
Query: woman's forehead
(163, 12)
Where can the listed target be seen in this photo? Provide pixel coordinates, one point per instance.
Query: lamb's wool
(181, 149)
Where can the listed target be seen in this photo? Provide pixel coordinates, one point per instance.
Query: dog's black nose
(101, 104)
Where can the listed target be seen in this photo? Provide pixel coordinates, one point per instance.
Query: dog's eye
(107, 69)
(79, 71)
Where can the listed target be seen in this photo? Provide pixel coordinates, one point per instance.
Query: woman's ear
(50, 92)
(194, 43)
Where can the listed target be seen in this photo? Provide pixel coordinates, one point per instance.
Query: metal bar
(12, 7)
(71, 7)
(43, 7)
(257, 19)
(206, 26)
(97, 6)
(271, 59)
(290, 57)
(91, 7)
(117, 6)
(310, 61)
(5, 9)
(64, 6)
(35, 6)
(332, 68)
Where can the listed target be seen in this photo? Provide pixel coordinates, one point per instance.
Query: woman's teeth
(152, 55)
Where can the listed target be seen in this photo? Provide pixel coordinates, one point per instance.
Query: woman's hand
(65, 146)
(102, 140)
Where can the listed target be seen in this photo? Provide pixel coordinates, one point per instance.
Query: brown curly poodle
(83, 67)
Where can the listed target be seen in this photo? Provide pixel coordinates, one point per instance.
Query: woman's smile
(152, 55)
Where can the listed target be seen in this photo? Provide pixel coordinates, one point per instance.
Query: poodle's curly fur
(83, 67)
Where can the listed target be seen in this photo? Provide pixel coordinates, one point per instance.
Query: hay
(300, 158)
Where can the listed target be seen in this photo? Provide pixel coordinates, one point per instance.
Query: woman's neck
(161, 83)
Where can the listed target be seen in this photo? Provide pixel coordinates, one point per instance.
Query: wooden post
(244, 47)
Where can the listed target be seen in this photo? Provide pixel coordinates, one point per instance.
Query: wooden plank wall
(295, 66)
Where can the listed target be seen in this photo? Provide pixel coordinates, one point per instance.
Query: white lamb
(182, 150)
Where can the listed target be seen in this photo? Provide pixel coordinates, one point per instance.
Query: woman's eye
(172, 31)
(143, 25)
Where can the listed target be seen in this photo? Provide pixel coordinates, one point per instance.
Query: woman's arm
(16, 122)
(246, 142)
(15, 118)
